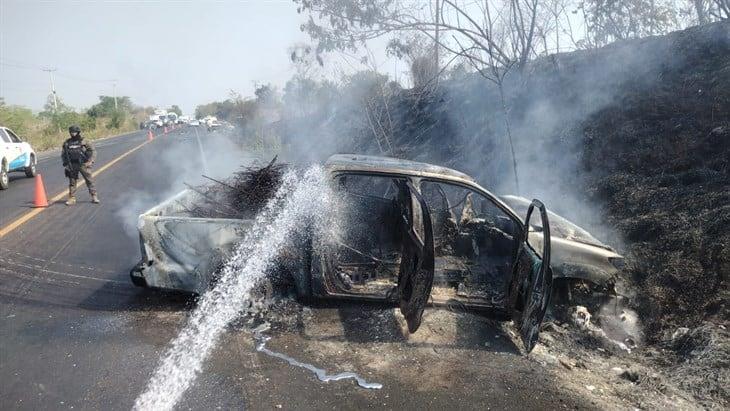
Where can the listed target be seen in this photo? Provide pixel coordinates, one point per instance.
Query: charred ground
(646, 140)
(631, 141)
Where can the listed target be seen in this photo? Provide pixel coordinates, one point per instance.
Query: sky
(159, 52)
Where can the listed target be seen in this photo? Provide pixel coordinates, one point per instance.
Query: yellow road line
(34, 212)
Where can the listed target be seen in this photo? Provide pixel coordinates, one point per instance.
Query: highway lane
(66, 307)
(15, 200)
(74, 332)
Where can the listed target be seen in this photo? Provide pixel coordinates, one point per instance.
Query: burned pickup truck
(414, 234)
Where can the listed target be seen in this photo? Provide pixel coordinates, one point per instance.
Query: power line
(66, 76)
(11, 63)
(22, 66)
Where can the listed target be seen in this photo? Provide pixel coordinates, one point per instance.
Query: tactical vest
(76, 151)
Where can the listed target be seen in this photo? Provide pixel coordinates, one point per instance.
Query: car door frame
(527, 321)
(321, 264)
(530, 289)
(416, 272)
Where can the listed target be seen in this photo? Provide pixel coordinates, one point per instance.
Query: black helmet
(74, 129)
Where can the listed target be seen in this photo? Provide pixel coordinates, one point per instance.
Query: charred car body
(414, 234)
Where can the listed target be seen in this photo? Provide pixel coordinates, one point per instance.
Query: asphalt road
(16, 200)
(75, 333)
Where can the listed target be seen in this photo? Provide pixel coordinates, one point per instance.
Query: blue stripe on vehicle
(19, 162)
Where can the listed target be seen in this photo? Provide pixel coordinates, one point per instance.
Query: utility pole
(53, 88)
(114, 92)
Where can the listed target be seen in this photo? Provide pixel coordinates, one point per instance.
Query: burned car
(415, 234)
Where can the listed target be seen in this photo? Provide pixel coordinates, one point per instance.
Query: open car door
(415, 276)
(529, 292)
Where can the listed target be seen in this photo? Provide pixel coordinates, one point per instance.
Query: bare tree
(420, 53)
(694, 12)
(720, 9)
(611, 20)
(493, 36)
(700, 8)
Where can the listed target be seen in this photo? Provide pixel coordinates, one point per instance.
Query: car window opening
(475, 241)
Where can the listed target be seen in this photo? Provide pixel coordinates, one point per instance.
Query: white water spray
(298, 202)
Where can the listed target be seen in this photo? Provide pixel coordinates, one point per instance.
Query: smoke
(550, 105)
(298, 203)
(169, 165)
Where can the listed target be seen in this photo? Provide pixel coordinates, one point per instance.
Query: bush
(117, 119)
(19, 119)
(60, 122)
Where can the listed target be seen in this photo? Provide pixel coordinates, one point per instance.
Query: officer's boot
(71, 194)
(95, 199)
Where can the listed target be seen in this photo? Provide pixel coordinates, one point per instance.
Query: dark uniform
(78, 156)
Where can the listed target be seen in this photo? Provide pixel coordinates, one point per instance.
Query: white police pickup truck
(15, 155)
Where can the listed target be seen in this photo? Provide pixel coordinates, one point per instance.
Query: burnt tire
(31, 170)
(135, 274)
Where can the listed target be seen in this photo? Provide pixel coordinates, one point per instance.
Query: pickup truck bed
(181, 252)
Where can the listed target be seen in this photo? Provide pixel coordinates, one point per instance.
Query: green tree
(49, 109)
(221, 109)
(61, 121)
(106, 106)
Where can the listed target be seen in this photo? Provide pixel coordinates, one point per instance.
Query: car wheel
(4, 179)
(30, 171)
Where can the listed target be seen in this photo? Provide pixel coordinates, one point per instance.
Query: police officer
(78, 156)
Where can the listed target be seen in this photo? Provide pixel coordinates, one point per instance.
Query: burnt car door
(415, 276)
(529, 291)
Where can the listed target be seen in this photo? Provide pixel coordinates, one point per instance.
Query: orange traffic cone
(165, 130)
(150, 136)
(40, 199)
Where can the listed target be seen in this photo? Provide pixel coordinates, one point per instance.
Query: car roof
(378, 164)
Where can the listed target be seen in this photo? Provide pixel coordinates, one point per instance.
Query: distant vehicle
(170, 119)
(214, 125)
(207, 120)
(155, 121)
(194, 122)
(15, 155)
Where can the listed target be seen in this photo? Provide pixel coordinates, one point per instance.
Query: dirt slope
(642, 128)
